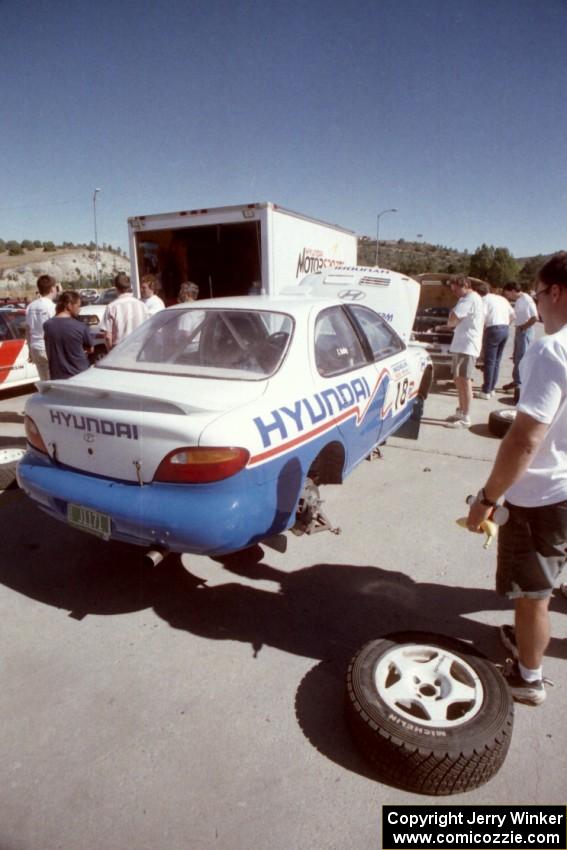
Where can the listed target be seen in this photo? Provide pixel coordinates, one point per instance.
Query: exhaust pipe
(153, 557)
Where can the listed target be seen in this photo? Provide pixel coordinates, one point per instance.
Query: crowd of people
(481, 321)
(530, 472)
(530, 469)
(60, 349)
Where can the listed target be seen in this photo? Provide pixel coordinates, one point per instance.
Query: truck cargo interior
(223, 259)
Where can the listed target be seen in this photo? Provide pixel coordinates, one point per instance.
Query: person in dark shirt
(67, 340)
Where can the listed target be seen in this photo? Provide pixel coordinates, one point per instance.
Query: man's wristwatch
(484, 500)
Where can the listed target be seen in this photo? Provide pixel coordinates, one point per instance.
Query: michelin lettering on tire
(429, 712)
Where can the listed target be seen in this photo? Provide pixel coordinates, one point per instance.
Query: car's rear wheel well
(327, 468)
(426, 382)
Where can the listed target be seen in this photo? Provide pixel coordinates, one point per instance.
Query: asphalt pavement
(199, 704)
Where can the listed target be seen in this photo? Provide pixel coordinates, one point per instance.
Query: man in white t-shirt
(498, 315)
(37, 314)
(123, 315)
(467, 319)
(151, 299)
(525, 318)
(530, 470)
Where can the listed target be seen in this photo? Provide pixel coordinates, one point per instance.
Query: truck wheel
(430, 712)
(499, 421)
(9, 457)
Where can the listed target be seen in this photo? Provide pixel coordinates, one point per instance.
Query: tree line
(15, 248)
(495, 265)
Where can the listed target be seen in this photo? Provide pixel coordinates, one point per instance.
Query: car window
(382, 339)
(337, 347)
(16, 321)
(4, 330)
(244, 344)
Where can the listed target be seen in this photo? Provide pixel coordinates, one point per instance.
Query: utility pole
(97, 262)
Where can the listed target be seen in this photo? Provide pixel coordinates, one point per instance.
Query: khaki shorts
(463, 365)
(532, 550)
(40, 362)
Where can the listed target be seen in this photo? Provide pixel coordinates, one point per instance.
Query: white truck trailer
(234, 250)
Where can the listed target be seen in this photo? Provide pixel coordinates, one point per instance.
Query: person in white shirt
(498, 315)
(123, 315)
(467, 319)
(188, 291)
(525, 317)
(530, 470)
(37, 314)
(148, 287)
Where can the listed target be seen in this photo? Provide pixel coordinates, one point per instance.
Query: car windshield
(243, 344)
(107, 296)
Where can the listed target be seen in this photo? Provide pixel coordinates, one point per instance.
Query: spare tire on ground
(499, 421)
(432, 714)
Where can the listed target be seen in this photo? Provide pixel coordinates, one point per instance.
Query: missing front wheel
(309, 518)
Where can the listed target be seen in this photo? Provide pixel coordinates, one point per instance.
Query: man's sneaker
(458, 414)
(465, 422)
(528, 693)
(483, 395)
(511, 386)
(563, 589)
(508, 638)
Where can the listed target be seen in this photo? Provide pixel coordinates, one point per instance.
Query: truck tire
(499, 421)
(9, 457)
(429, 712)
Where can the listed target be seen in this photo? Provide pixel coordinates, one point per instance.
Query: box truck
(234, 250)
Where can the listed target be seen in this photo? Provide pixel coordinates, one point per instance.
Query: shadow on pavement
(324, 612)
(428, 420)
(482, 430)
(319, 709)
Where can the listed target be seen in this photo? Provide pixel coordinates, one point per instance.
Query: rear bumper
(205, 519)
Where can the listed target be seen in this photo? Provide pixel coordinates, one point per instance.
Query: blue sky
(452, 111)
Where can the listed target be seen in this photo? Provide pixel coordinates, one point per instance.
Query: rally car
(16, 370)
(211, 426)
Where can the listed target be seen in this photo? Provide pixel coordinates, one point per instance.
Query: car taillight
(200, 465)
(33, 436)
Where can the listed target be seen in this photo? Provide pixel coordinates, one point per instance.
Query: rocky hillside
(66, 266)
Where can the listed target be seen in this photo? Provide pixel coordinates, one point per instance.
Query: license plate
(89, 520)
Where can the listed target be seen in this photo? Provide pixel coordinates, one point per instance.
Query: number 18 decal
(401, 394)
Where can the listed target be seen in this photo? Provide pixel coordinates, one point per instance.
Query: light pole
(97, 264)
(378, 217)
